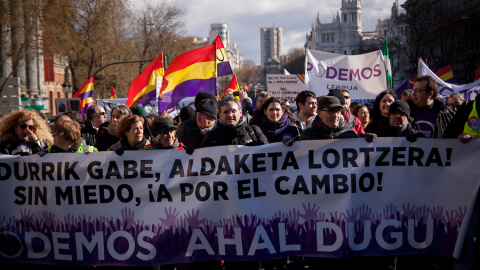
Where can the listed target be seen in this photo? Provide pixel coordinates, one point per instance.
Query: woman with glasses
(381, 106)
(23, 133)
(276, 122)
(362, 113)
(108, 136)
(130, 132)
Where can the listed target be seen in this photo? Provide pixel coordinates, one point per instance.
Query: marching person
(327, 123)
(380, 109)
(232, 127)
(306, 102)
(130, 132)
(96, 116)
(163, 135)
(428, 111)
(67, 139)
(23, 133)
(276, 122)
(108, 136)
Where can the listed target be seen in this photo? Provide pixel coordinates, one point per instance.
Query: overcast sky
(244, 18)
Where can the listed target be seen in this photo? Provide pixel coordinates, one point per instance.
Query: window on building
(328, 38)
(333, 37)
(345, 17)
(345, 52)
(384, 33)
(324, 39)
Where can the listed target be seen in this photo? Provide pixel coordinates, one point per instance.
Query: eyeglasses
(416, 91)
(24, 126)
(346, 97)
(333, 112)
(101, 113)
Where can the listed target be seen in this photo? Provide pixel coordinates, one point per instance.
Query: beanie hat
(139, 110)
(208, 107)
(186, 113)
(338, 94)
(203, 95)
(399, 106)
(162, 125)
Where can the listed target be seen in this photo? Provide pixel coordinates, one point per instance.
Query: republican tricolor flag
(189, 73)
(223, 66)
(446, 74)
(112, 94)
(232, 85)
(144, 87)
(85, 93)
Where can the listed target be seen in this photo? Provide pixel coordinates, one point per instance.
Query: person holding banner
(306, 102)
(276, 122)
(130, 132)
(108, 136)
(205, 119)
(186, 126)
(380, 111)
(232, 127)
(327, 124)
(23, 133)
(163, 135)
(67, 138)
(349, 119)
(399, 123)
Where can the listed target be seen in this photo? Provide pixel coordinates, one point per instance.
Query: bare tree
(154, 26)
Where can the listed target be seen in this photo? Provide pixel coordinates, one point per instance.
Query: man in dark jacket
(350, 120)
(399, 122)
(327, 123)
(205, 120)
(185, 127)
(96, 116)
(428, 111)
(232, 127)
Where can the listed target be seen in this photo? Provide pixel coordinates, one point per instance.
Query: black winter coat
(241, 134)
(319, 131)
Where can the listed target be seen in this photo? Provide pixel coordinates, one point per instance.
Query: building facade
(271, 46)
(343, 35)
(23, 54)
(233, 53)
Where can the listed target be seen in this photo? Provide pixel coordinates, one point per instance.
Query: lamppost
(67, 88)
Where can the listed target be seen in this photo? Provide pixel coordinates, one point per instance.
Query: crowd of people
(233, 120)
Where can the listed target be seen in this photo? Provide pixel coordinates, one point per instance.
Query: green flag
(388, 67)
(32, 103)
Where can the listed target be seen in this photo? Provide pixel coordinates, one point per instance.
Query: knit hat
(399, 106)
(186, 113)
(203, 95)
(328, 102)
(162, 125)
(208, 107)
(338, 94)
(139, 110)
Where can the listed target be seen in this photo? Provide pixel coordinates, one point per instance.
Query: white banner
(363, 75)
(285, 86)
(329, 198)
(445, 89)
